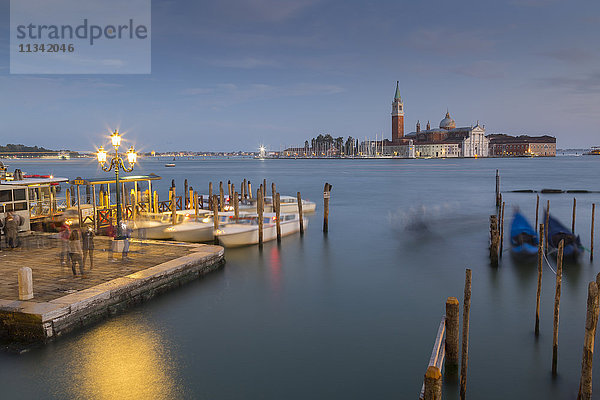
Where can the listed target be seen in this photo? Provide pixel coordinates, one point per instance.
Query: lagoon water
(350, 315)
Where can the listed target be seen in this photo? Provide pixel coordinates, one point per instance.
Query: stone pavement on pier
(51, 280)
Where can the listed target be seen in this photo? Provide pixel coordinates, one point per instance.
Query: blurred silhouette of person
(127, 237)
(87, 239)
(75, 251)
(63, 234)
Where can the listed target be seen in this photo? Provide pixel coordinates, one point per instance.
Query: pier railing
(437, 358)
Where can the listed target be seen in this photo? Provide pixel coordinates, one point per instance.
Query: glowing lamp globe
(101, 155)
(131, 156)
(115, 138)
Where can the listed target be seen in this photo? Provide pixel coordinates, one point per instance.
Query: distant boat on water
(595, 151)
(64, 155)
(170, 165)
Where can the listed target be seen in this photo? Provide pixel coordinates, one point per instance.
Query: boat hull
(250, 236)
(193, 232)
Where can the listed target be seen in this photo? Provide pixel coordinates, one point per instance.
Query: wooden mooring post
(537, 209)
(559, 261)
(273, 192)
(539, 280)
(173, 205)
(277, 215)
(210, 195)
(452, 334)
(498, 199)
(465, 335)
(249, 187)
(326, 196)
(592, 233)
(494, 240)
(186, 199)
(215, 210)
(236, 206)
(433, 384)
(221, 197)
(245, 189)
(300, 213)
(546, 227)
(501, 232)
(573, 221)
(591, 321)
(259, 210)
(229, 191)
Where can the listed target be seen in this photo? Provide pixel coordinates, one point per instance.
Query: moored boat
(245, 231)
(557, 232)
(524, 240)
(289, 204)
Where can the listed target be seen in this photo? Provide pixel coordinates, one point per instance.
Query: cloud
(482, 69)
(446, 42)
(225, 94)
(572, 55)
(583, 84)
(244, 63)
(534, 3)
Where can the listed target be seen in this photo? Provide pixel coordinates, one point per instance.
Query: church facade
(442, 142)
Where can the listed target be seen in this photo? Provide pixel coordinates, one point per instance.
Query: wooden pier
(62, 302)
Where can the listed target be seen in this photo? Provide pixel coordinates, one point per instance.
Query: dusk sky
(231, 75)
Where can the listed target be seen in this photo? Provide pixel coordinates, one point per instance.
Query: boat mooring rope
(548, 262)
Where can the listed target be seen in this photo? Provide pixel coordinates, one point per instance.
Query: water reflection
(122, 359)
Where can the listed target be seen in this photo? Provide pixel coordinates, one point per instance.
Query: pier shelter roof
(36, 181)
(107, 180)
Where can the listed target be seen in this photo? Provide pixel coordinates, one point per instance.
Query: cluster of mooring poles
(593, 299)
(446, 348)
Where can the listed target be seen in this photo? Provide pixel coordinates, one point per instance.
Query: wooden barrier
(559, 261)
(465, 335)
(591, 320)
(436, 360)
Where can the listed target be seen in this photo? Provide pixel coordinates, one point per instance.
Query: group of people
(76, 247)
(10, 228)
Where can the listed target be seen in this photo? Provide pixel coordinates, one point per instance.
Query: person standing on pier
(1, 231)
(127, 237)
(11, 227)
(87, 237)
(75, 251)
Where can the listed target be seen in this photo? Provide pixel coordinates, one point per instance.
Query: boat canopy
(520, 226)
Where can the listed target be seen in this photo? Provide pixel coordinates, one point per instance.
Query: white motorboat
(289, 204)
(200, 230)
(154, 226)
(245, 231)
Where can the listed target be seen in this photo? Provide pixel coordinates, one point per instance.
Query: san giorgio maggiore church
(445, 141)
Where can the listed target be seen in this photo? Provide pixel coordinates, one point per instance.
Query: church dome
(447, 122)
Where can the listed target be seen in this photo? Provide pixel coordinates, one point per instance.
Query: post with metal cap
(326, 196)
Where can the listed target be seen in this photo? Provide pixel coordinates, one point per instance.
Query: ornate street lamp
(117, 163)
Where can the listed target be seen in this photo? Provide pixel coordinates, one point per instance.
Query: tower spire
(397, 95)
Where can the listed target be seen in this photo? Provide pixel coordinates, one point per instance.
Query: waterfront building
(502, 145)
(445, 141)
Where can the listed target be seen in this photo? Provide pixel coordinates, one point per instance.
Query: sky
(231, 75)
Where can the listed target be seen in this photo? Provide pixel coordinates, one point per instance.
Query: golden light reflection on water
(122, 360)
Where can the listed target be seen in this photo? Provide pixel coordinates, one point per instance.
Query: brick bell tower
(397, 116)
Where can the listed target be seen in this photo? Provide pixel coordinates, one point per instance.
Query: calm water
(350, 315)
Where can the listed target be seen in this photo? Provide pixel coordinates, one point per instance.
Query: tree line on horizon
(327, 145)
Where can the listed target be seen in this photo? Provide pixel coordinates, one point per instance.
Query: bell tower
(397, 116)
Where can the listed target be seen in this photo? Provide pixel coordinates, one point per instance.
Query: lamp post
(117, 163)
